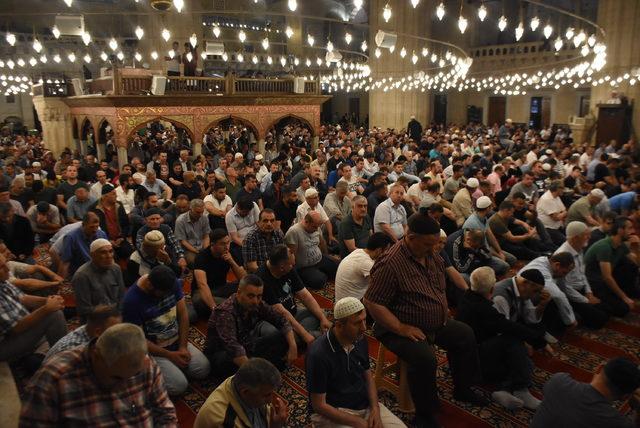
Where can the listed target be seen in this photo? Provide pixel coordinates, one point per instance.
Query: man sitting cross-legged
(156, 302)
(282, 285)
(339, 379)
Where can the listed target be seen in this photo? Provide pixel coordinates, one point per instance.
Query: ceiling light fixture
(166, 34)
(43, 59)
(56, 59)
(113, 44)
(482, 12)
(138, 57)
(104, 56)
(71, 57)
(415, 3)
(293, 5)
(68, 2)
(193, 40)
(216, 31)
(87, 58)
(347, 38)
(558, 43)
(357, 4)
(139, 32)
(120, 56)
(56, 32)
(462, 24)
(535, 23)
(502, 23)
(569, 34)
(154, 55)
(386, 13)
(547, 31)
(37, 46)
(310, 40)
(288, 32)
(86, 38)
(440, 11)
(242, 36)
(178, 4)
(11, 39)
(519, 31)
(364, 46)
(265, 43)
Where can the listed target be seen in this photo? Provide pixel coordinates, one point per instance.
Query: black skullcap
(162, 278)
(533, 275)
(42, 207)
(623, 374)
(153, 211)
(423, 225)
(107, 188)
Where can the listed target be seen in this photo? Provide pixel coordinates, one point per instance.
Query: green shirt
(499, 226)
(232, 190)
(349, 229)
(579, 210)
(603, 251)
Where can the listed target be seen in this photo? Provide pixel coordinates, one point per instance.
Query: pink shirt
(494, 179)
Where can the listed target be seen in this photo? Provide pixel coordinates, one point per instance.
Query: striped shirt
(77, 337)
(414, 293)
(65, 393)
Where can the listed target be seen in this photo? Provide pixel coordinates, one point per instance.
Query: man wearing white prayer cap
(339, 379)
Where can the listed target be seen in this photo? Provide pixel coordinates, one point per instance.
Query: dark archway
(280, 125)
(226, 123)
(88, 137)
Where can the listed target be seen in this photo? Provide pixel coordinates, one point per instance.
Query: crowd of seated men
(406, 224)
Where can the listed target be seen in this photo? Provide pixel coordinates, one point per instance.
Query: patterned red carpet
(578, 353)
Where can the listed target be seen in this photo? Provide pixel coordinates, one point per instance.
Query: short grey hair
(257, 372)
(196, 203)
(482, 280)
(121, 340)
(359, 199)
(151, 173)
(18, 180)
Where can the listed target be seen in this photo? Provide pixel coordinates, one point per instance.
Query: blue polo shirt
(75, 248)
(338, 374)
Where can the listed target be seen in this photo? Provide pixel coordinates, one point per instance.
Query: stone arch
(304, 121)
(246, 122)
(174, 122)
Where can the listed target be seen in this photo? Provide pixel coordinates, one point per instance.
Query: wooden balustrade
(263, 86)
(135, 85)
(101, 85)
(199, 85)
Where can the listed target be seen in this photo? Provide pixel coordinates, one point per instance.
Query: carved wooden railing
(263, 86)
(197, 85)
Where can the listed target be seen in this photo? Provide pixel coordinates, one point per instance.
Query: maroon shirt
(414, 293)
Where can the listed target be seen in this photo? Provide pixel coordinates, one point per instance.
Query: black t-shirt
(215, 268)
(286, 215)
(601, 172)
(68, 190)
(47, 194)
(280, 290)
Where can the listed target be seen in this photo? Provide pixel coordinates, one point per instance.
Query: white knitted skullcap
(598, 193)
(346, 307)
(99, 243)
(310, 192)
(473, 182)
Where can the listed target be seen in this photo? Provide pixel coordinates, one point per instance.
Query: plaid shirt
(11, 309)
(65, 393)
(77, 337)
(174, 247)
(257, 245)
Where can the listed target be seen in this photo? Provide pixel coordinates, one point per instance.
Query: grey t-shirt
(451, 187)
(307, 245)
(568, 403)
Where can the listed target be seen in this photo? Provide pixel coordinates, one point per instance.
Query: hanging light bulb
(265, 43)
(139, 32)
(293, 5)
(415, 3)
(386, 13)
(33, 62)
(193, 40)
(310, 40)
(558, 44)
(462, 24)
(569, 34)
(581, 36)
(225, 56)
(240, 57)
(56, 32)
(392, 48)
(440, 11)
(318, 61)
(216, 31)
(87, 58)
(43, 59)
(11, 39)
(535, 23)
(166, 34)
(377, 53)
(403, 52)
(104, 56)
(120, 56)
(154, 55)
(242, 36)
(56, 59)
(425, 51)
(329, 46)
(86, 38)
(585, 50)
(482, 12)
(414, 58)
(113, 44)
(548, 31)
(576, 41)
(308, 62)
(357, 4)
(254, 59)
(178, 4)
(269, 60)
(71, 57)
(11, 64)
(37, 46)
(347, 38)
(288, 32)
(138, 57)
(591, 41)
(68, 2)
(519, 31)
(502, 23)
(296, 61)
(283, 61)
(189, 56)
(364, 46)
(172, 54)
(203, 55)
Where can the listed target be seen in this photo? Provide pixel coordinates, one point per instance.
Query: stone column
(122, 157)
(197, 149)
(55, 118)
(620, 22)
(314, 142)
(394, 108)
(261, 145)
